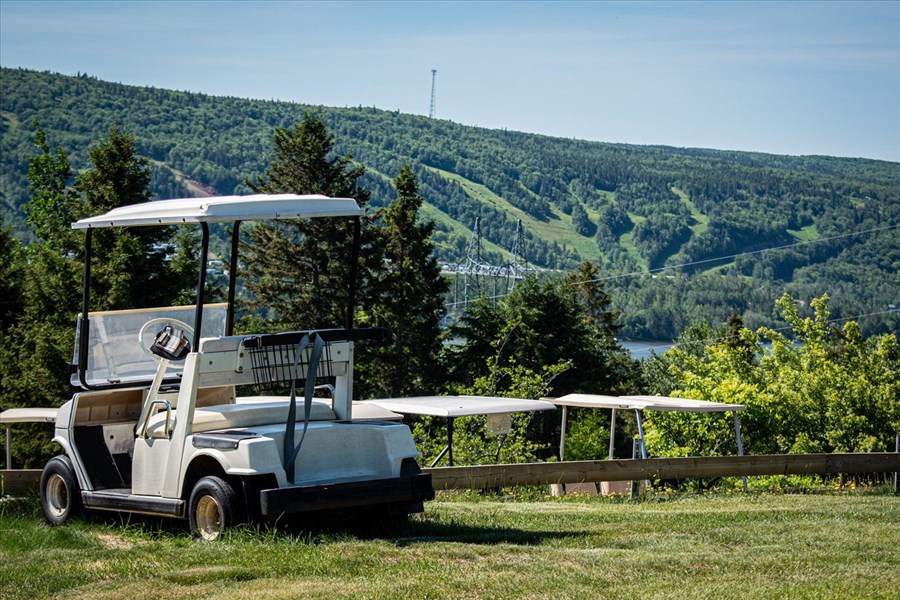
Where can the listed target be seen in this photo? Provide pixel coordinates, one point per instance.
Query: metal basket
(275, 363)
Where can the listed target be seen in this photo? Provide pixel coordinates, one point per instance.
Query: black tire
(60, 494)
(214, 508)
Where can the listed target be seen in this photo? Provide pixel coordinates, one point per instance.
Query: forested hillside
(631, 209)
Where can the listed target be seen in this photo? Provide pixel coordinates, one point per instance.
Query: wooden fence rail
(18, 480)
(493, 476)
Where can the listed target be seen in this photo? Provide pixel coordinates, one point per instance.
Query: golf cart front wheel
(213, 508)
(60, 494)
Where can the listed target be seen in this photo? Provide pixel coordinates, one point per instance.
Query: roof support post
(896, 449)
(640, 423)
(612, 434)
(354, 268)
(201, 283)
(84, 331)
(448, 449)
(232, 278)
(562, 433)
(740, 443)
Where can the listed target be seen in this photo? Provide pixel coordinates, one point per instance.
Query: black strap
(315, 355)
(288, 445)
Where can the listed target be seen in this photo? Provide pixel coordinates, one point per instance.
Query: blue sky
(781, 77)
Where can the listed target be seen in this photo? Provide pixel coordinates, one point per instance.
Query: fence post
(8, 448)
(897, 450)
(636, 446)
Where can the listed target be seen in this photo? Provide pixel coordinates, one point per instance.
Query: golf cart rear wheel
(213, 508)
(60, 494)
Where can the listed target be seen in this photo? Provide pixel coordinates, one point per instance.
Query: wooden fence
(696, 467)
(494, 476)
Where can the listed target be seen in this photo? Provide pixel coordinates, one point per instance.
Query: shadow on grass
(423, 531)
(324, 531)
(321, 528)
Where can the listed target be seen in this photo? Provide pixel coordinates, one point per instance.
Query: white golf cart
(158, 428)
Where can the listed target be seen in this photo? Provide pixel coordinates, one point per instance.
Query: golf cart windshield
(115, 355)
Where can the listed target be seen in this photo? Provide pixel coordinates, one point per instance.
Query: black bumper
(410, 489)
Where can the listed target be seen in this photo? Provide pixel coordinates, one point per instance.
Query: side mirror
(171, 344)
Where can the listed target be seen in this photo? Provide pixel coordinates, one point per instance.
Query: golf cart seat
(243, 414)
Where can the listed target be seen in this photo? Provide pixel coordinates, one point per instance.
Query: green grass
(837, 545)
(626, 241)
(558, 229)
(429, 212)
(805, 234)
(701, 221)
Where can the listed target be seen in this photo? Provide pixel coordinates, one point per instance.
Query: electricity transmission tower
(431, 109)
(518, 264)
(474, 266)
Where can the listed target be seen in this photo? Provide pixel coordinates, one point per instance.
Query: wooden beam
(876, 462)
(695, 467)
(19, 480)
(491, 476)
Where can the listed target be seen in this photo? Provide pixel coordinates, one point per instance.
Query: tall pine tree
(545, 322)
(299, 271)
(129, 268)
(39, 329)
(410, 300)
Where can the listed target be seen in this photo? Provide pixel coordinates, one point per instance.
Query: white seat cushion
(244, 414)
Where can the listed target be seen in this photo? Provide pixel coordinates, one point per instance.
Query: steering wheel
(169, 343)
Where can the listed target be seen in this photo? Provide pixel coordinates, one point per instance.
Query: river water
(640, 349)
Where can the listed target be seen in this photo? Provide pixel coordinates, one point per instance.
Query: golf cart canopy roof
(460, 406)
(224, 209)
(644, 403)
(28, 415)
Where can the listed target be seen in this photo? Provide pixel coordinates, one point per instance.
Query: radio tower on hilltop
(431, 109)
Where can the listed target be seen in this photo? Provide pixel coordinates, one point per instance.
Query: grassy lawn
(841, 545)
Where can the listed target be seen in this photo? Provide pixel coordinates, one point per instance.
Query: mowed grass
(844, 545)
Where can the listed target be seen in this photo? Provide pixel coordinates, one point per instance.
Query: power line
(720, 258)
(741, 254)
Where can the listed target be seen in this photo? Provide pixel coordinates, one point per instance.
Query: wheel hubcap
(209, 518)
(57, 495)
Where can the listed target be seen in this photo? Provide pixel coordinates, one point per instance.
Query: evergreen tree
(128, 271)
(547, 322)
(128, 267)
(619, 372)
(299, 270)
(52, 202)
(42, 298)
(587, 285)
(410, 300)
(51, 287)
(12, 279)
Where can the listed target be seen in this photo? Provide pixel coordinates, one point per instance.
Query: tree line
(835, 390)
(626, 208)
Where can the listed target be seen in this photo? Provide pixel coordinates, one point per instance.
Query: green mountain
(632, 209)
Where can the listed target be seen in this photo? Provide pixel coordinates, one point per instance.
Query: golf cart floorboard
(122, 499)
